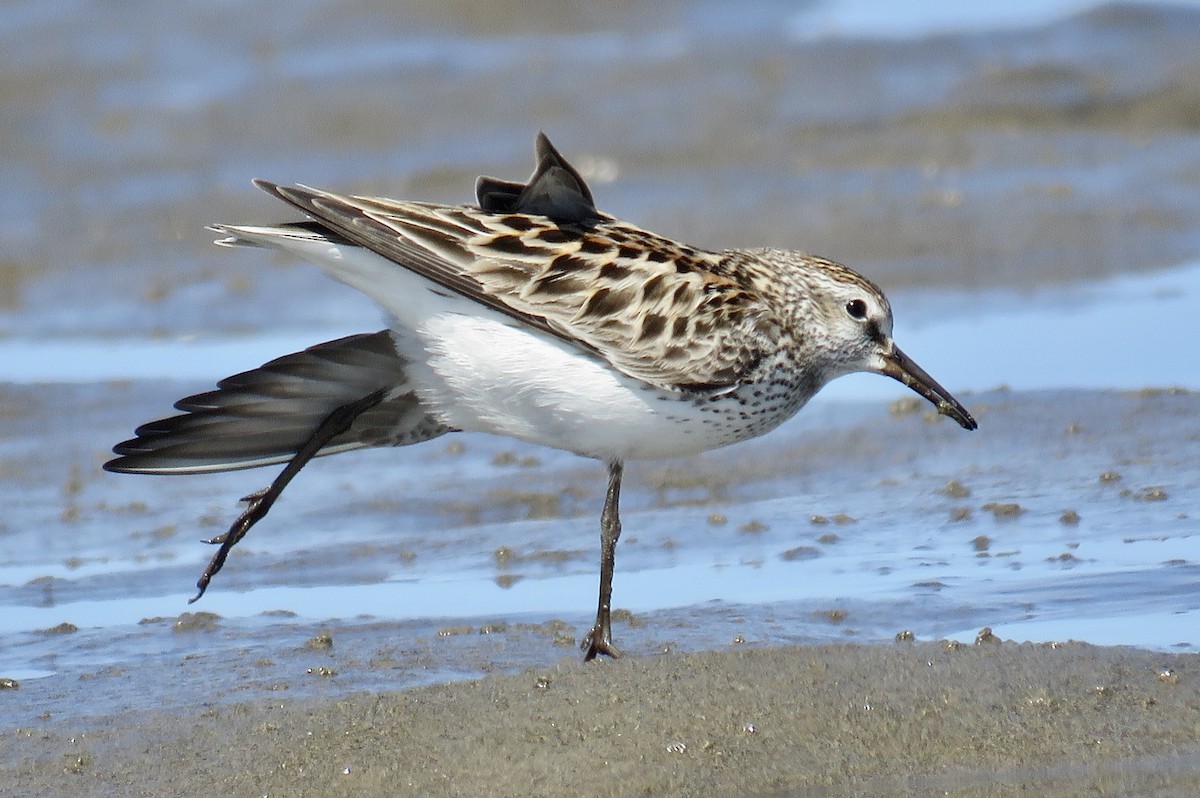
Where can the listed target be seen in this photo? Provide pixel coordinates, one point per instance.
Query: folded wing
(670, 315)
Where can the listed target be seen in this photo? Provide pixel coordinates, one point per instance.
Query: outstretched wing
(266, 415)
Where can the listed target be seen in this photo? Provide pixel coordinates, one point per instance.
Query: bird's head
(848, 323)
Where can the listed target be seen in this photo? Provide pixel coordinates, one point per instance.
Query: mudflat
(994, 718)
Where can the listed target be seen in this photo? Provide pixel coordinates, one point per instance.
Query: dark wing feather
(555, 190)
(264, 416)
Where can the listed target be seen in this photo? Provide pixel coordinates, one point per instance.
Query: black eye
(857, 309)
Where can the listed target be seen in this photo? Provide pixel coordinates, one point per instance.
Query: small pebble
(985, 637)
(955, 490)
(320, 642)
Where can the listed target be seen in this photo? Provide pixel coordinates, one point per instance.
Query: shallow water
(1022, 274)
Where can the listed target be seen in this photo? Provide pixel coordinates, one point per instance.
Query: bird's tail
(266, 415)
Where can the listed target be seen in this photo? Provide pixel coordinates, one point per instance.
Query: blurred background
(930, 144)
(1023, 180)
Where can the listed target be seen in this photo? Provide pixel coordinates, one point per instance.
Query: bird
(533, 315)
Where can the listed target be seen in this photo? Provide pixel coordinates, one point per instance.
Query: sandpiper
(533, 315)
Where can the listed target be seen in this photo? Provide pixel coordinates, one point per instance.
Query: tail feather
(263, 416)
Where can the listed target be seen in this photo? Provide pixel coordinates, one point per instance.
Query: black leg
(599, 639)
(260, 502)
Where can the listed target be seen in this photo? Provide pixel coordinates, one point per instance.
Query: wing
(555, 189)
(670, 315)
(265, 416)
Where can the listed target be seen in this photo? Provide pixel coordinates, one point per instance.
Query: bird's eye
(857, 309)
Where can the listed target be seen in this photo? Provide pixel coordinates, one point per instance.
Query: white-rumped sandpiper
(536, 316)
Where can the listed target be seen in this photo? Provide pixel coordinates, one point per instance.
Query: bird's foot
(599, 641)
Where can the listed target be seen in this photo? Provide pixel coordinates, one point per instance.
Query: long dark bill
(898, 366)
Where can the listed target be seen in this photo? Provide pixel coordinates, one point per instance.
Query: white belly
(485, 374)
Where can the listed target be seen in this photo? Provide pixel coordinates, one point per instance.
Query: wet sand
(996, 718)
(281, 710)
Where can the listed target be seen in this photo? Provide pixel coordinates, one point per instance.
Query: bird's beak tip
(900, 367)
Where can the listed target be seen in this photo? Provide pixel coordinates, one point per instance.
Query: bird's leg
(599, 639)
(261, 501)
